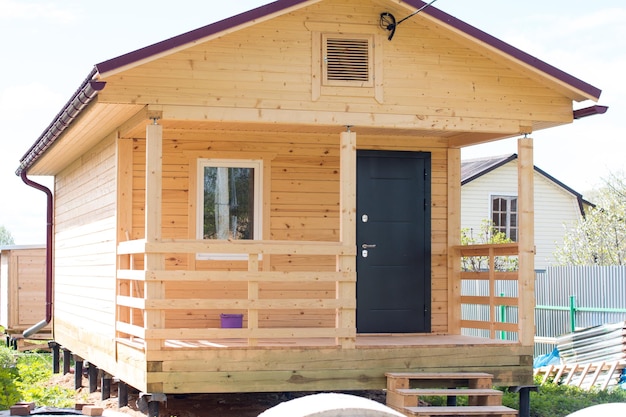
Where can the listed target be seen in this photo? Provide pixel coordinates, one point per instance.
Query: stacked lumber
(600, 343)
(593, 357)
(602, 375)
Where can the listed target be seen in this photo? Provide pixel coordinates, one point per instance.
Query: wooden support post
(122, 394)
(93, 377)
(524, 398)
(54, 346)
(526, 242)
(153, 409)
(78, 372)
(154, 319)
(346, 291)
(66, 361)
(105, 384)
(454, 239)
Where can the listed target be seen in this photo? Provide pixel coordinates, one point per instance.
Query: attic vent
(348, 60)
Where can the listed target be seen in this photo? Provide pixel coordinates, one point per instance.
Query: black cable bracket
(388, 21)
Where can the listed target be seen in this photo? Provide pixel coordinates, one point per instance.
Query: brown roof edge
(277, 6)
(70, 111)
(196, 34)
(508, 49)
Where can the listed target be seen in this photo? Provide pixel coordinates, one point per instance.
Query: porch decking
(317, 364)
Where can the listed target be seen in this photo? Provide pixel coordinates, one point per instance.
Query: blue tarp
(551, 358)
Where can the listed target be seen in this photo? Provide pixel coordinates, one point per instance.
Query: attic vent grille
(347, 59)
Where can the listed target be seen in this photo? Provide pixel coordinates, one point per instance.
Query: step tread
(461, 410)
(438, 375)
(449, 392)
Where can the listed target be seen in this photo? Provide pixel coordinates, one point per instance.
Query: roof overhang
(83, 117)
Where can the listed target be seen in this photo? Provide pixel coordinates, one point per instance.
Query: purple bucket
(231, 321)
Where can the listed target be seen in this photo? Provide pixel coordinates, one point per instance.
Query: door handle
(368, 246)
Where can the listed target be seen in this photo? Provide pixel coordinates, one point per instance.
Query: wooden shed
(298, 168)
(22, 288)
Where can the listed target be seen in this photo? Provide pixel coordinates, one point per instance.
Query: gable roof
(473, 169)
(91, 86)
(283, 6)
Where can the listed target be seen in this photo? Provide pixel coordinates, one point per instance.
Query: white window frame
(507, 197)
(257, 232)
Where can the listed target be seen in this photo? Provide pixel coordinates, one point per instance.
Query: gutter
(72, 109)
(589, 111)
(34, 329)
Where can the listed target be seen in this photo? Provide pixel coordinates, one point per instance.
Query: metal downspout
(49, 208)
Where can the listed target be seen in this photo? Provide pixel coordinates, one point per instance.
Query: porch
(325, 318)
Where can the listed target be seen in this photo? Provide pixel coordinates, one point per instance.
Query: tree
(487, 234)
(5, 236)
(599, 238)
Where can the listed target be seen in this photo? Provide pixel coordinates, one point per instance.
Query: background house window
(504, 215)
(229, 205)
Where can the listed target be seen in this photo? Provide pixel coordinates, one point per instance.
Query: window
(504, 215)
(229, 205)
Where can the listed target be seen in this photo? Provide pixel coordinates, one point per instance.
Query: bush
(554, 400)
(9, 394)
(23, 377)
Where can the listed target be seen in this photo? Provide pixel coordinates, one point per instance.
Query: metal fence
(567, 298)
(576, 297)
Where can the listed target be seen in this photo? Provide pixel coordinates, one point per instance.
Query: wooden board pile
(593, 357)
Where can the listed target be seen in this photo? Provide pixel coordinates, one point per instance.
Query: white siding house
(487, 179)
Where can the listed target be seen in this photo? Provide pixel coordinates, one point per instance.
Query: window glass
(504, 215)
(229, 201)
(228, 206)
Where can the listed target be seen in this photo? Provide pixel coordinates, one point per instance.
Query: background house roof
(473, 169)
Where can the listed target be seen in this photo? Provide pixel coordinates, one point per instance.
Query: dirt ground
(193, 405)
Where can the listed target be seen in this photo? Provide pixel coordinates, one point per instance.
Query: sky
(48, 47)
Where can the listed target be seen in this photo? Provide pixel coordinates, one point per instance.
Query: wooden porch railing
(486, 295)
(142, 300)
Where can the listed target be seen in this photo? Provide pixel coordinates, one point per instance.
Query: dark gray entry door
(393, 242)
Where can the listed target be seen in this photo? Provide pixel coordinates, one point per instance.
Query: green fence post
(572, 312)
(502, 318)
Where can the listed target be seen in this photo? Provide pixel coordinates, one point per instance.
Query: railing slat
(492, 306)
(135, 305)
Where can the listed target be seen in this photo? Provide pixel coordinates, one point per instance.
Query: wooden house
(299, 166)
(22, 289)
(489, 192)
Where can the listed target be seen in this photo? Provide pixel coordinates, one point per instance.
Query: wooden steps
(498, 410)
(404, 391)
